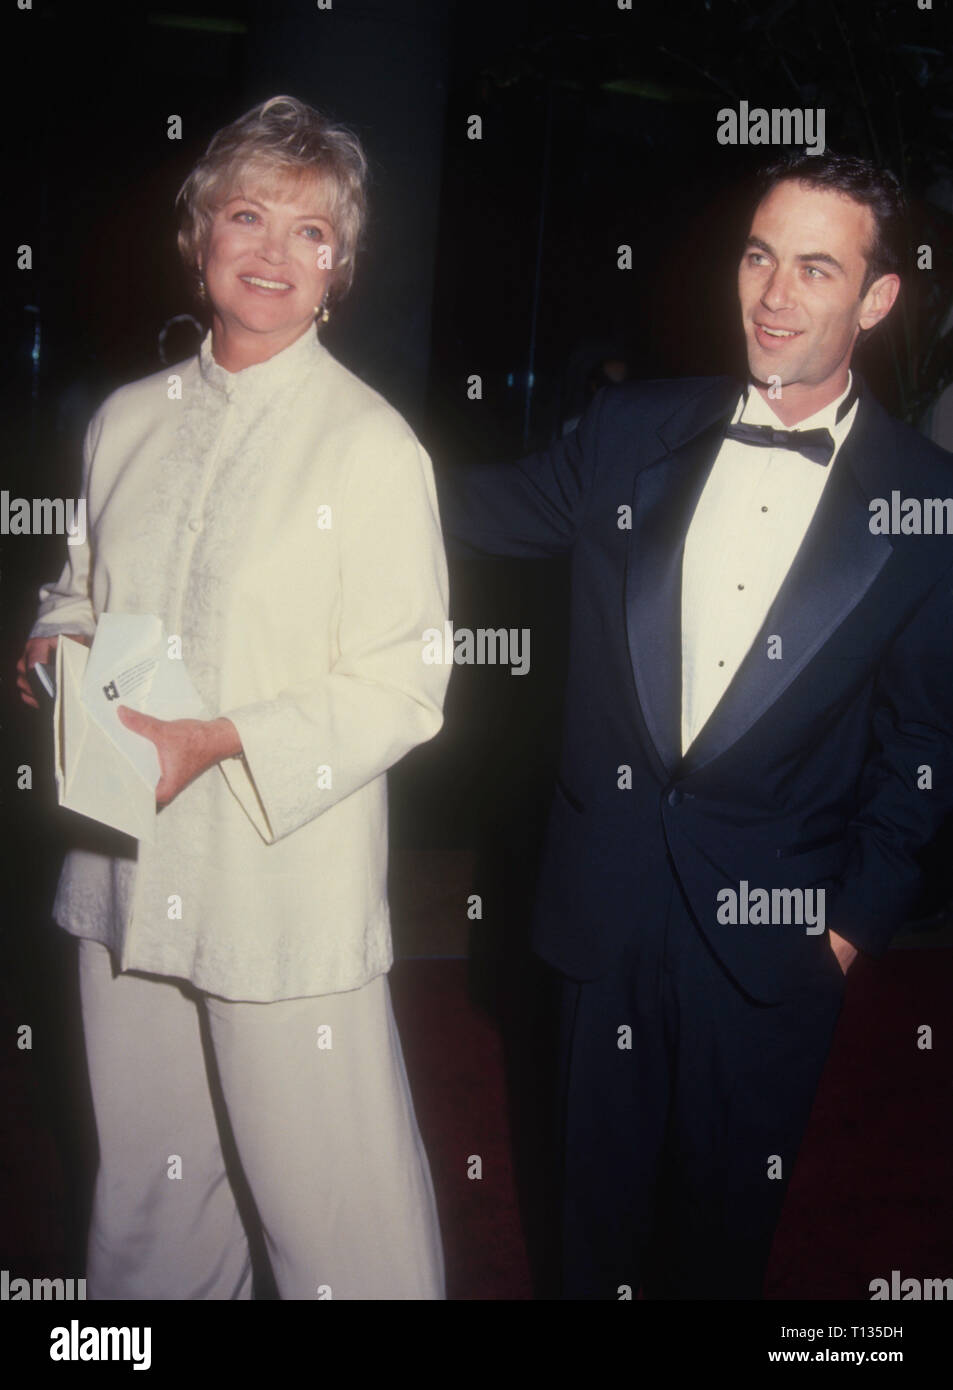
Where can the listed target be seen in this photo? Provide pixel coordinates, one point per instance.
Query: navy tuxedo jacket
(810, 772)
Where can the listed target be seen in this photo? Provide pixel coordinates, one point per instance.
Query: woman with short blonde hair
(277, 143)
(280, 518)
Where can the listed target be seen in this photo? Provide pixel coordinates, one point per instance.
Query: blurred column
(380, 68)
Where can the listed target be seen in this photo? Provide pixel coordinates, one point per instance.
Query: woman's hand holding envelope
(38, 652)
(186, 747)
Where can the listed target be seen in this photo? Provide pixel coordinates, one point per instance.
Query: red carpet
(872, 1189)
(871, 1192)
(455, 1062)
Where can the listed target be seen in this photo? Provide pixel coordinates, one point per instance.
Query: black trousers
(684, 1104)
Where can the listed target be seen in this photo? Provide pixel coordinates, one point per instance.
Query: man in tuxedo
(757, 740)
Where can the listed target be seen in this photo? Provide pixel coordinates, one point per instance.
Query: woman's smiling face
(269, 260)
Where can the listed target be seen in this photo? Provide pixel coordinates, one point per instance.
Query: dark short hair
(877, 189)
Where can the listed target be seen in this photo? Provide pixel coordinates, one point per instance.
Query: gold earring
(322, 313)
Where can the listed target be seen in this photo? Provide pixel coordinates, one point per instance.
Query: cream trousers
(315, 1094)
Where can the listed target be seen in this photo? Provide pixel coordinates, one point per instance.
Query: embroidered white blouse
(282, 520)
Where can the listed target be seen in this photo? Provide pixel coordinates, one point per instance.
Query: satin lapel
(664, 497)
(836, 564)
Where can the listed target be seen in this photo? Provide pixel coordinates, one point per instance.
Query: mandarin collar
(263, 378)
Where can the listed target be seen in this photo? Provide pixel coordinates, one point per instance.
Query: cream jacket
(282, 520)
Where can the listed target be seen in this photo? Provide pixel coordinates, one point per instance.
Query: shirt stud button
(194, 523)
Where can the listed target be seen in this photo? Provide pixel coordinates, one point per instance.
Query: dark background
(496, 257)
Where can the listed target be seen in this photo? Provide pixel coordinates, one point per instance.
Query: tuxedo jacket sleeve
(532, 508)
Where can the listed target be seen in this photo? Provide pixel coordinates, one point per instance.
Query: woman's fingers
(36, 653)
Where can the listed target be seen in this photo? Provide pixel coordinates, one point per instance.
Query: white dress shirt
(282, 520)
(747, 528)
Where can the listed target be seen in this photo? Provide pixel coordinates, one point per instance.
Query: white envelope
(103, 769)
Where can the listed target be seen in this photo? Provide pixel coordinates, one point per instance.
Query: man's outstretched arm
(532, 508)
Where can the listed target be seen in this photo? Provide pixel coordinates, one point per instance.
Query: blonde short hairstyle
(279, 141)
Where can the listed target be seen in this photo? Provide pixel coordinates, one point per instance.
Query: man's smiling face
(799, 284)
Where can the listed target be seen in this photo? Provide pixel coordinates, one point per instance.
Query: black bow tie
(817, 445)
